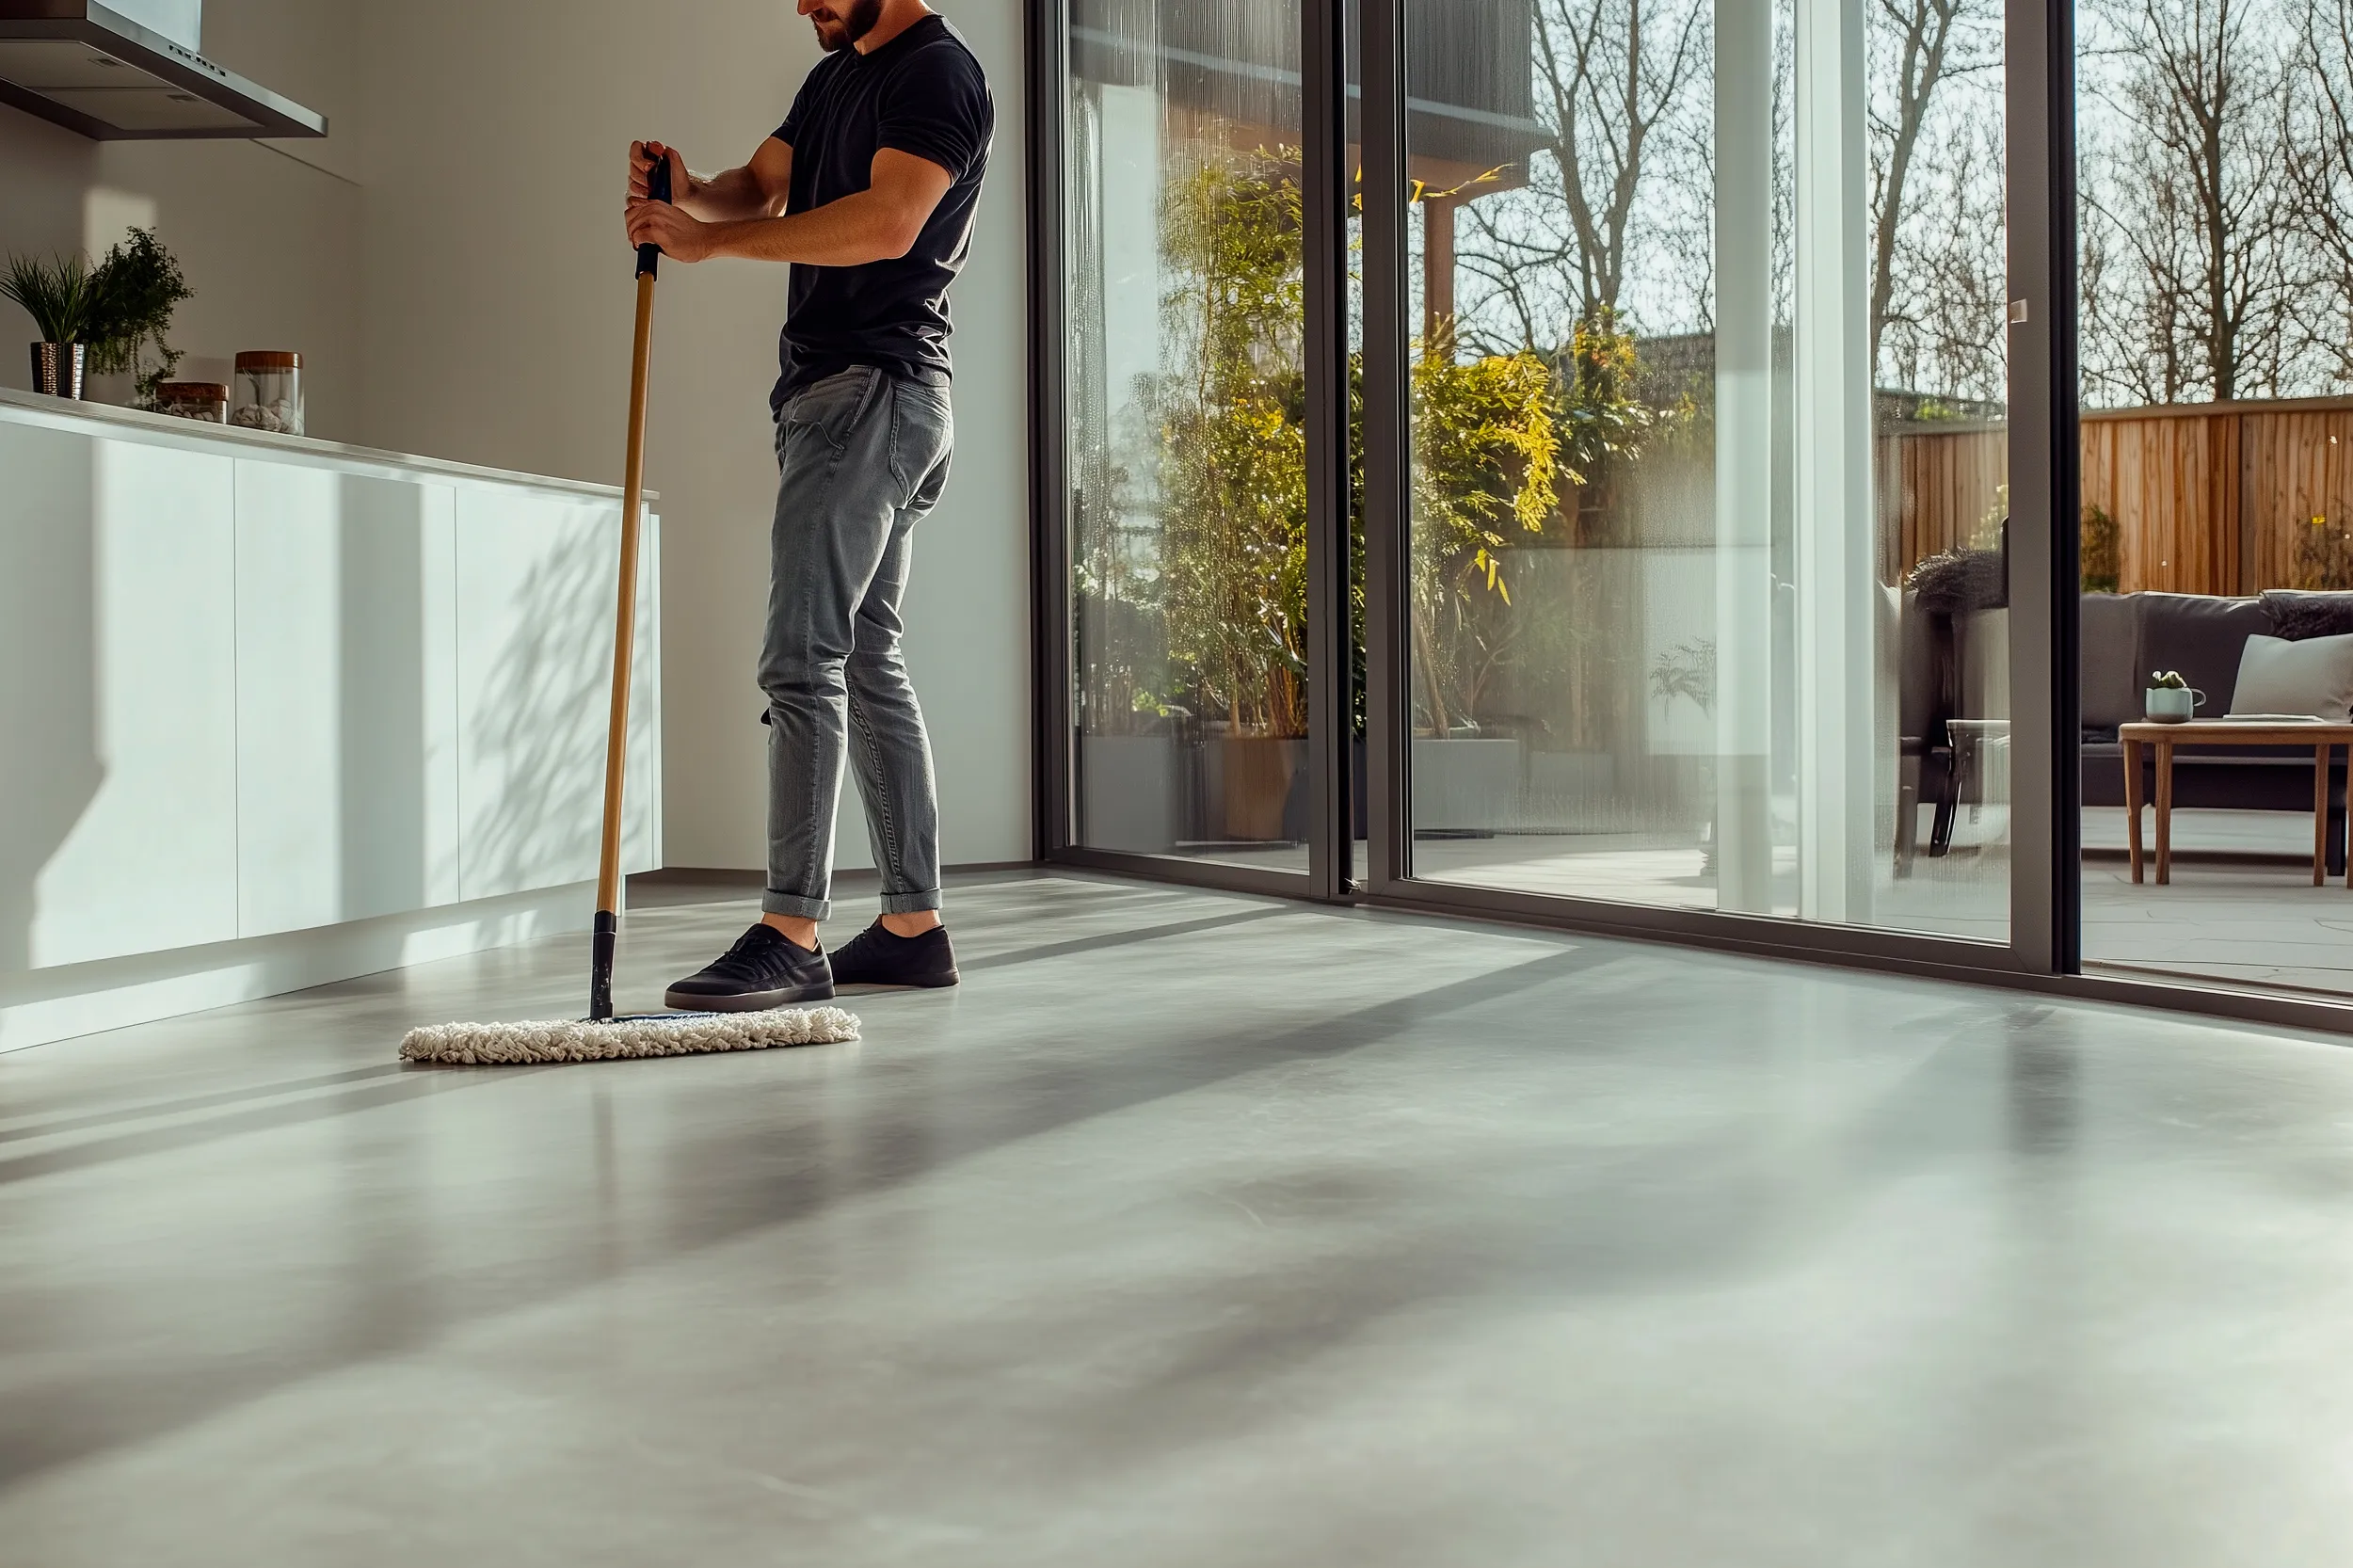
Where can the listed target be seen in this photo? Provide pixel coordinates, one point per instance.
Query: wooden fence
(1942, 487)
(2208, 498)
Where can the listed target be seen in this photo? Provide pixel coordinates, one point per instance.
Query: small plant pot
(57, 368)
(2170, 704)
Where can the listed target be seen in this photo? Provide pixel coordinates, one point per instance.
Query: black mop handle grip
(658, 187)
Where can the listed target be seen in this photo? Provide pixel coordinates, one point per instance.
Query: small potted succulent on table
(2170, 700)
(60, 296)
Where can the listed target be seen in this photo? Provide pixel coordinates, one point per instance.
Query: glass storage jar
(207, 400)
(269, 392)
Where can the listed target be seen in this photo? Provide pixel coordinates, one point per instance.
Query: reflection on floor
(2240, 909)
(1965, 893)
(1272, 856)
(1196, 1231)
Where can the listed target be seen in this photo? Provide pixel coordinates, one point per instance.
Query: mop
(601, 1036)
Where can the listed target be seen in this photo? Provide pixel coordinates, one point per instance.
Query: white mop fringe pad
(685, 1035)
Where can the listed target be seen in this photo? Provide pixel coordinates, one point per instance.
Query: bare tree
(1617, 88)
(2316, 137)
(1613, 80)
(1617, 212)
(1931, 43)
(1947, 328)
(2195, 206)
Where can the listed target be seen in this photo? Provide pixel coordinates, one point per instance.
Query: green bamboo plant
(1487, 469)
(1231, 585)
(1233, 446)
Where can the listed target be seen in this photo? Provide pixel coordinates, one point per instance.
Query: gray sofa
(2124, 639)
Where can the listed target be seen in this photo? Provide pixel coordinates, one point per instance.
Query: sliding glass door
(1703, 601)
(2216, 179)
(1187, 431)
(1652, 546)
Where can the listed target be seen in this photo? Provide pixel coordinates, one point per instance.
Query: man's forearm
(859, 228)
(729, 198)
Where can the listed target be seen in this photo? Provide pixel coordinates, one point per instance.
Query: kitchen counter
(69, 413)
(280, 710)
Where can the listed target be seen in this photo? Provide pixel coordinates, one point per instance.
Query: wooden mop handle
(607, 933)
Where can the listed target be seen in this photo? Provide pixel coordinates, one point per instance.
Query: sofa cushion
(2313, 677)
(1961, 581)
(2301, 616)
(2202, 638)
(2112, 676)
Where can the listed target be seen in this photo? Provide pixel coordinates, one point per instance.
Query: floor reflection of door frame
(2042, 917)
(1326, 189)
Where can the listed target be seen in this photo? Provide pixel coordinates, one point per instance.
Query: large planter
(1254, 785)
(1127, 792)
(1241, 788)
(1466, 786)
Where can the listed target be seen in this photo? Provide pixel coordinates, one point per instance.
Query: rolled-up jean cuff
(908, 904)
(774, 903)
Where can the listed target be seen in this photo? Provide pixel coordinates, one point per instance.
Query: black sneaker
(879, 957)
(763, 970)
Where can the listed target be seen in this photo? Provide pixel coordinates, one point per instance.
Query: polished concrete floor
(1195, 1231)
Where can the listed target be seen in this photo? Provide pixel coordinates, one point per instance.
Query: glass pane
(1709, 456)
(2216, 179)
(1188, 505)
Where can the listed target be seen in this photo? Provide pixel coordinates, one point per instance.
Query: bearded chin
(859, 21)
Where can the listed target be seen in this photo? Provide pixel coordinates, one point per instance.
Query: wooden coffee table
(2321, 737)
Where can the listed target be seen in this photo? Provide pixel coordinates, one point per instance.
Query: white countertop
(69, 413)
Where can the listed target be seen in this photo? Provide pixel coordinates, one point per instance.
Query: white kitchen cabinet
(536, 581)
(346, 697)
(117, 698)
(277, 711)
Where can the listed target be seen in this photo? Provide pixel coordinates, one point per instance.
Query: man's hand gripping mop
(601, 1036)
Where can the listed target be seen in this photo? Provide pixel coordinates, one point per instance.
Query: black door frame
(1325, 194)
(2043, 950)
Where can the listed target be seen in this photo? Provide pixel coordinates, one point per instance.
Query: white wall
(499, 293)
(450, 263)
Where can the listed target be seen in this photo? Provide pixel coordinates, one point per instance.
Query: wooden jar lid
(268, 358)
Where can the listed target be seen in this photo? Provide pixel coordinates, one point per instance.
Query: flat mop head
(617, 1039)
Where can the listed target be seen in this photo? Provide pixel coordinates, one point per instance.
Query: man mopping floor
(868, 190)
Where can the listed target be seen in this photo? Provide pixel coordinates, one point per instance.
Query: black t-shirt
(921, 93)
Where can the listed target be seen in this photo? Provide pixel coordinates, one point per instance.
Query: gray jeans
(861, 457)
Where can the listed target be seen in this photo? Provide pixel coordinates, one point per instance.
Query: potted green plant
(1231, 482)
(1229, 486)
(59, 294)
(104, 320)
(136, 291)
(1488, 451)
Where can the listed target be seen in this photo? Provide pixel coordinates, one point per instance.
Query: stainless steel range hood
(102, 74)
